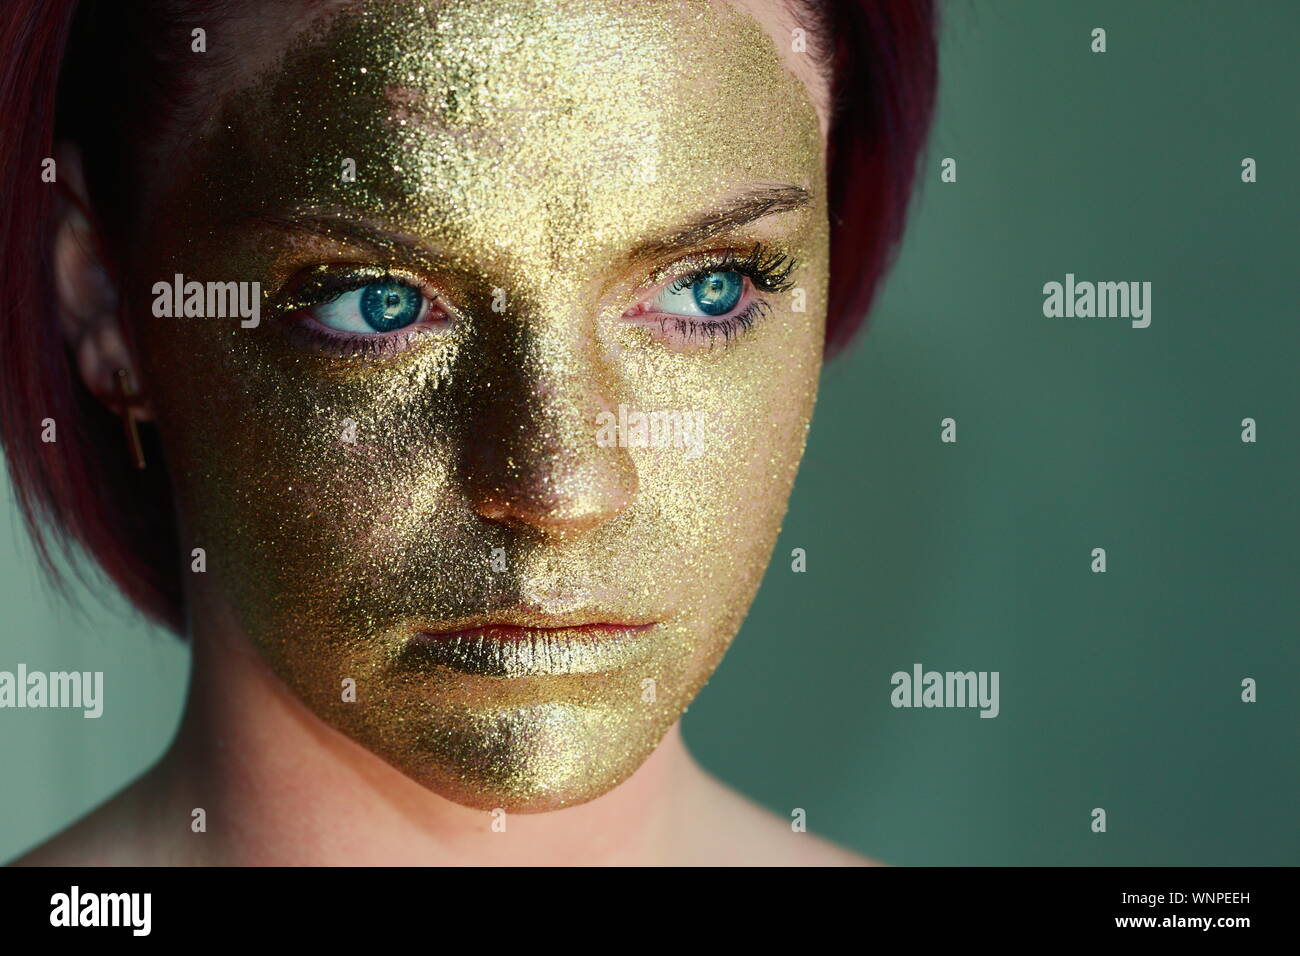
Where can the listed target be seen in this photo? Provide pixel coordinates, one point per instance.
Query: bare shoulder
(106, 836)
(729, 829)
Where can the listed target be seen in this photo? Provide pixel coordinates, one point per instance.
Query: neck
(277, 785)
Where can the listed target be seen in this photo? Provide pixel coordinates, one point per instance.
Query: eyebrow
(753, 204)
(349, 229)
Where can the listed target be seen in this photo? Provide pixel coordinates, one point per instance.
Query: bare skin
(278, 786)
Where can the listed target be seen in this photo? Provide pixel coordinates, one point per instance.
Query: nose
(532, 458)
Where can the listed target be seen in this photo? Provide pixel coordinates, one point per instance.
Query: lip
(511, 647)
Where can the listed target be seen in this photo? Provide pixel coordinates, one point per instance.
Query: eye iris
(389, 305)
(717, 292)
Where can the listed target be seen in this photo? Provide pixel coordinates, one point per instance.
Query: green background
(1118, 690)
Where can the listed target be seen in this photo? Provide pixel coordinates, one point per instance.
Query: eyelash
(767, 270)
(345, 345)
(729, 328)
(325, 288)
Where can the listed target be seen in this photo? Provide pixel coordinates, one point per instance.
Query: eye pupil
(386, 306)
(718, 292)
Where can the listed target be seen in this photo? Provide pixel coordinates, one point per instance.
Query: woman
(468, 349)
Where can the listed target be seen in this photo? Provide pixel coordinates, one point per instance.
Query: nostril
(584, 497)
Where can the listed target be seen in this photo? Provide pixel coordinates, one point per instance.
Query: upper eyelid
(332, 281)
(327, 281)
(701, 262)
(733, 258)
(428, 259)
(297, 293)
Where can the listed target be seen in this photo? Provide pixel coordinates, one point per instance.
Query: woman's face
(513, 439)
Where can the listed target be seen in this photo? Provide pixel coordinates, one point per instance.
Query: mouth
(504, 648)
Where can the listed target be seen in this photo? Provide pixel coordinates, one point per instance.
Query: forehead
(564, 114)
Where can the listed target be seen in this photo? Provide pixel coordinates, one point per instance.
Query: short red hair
(882, 60)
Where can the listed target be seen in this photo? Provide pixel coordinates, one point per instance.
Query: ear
(87, 292)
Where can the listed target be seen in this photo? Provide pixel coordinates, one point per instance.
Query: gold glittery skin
(545, 151)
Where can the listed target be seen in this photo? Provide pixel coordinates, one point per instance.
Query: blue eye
(375, 308)
(708, 294)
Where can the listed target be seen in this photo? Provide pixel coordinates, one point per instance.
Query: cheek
(313, 494)
(716, 505)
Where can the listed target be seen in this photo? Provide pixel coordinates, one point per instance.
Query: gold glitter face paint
(438, 511)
